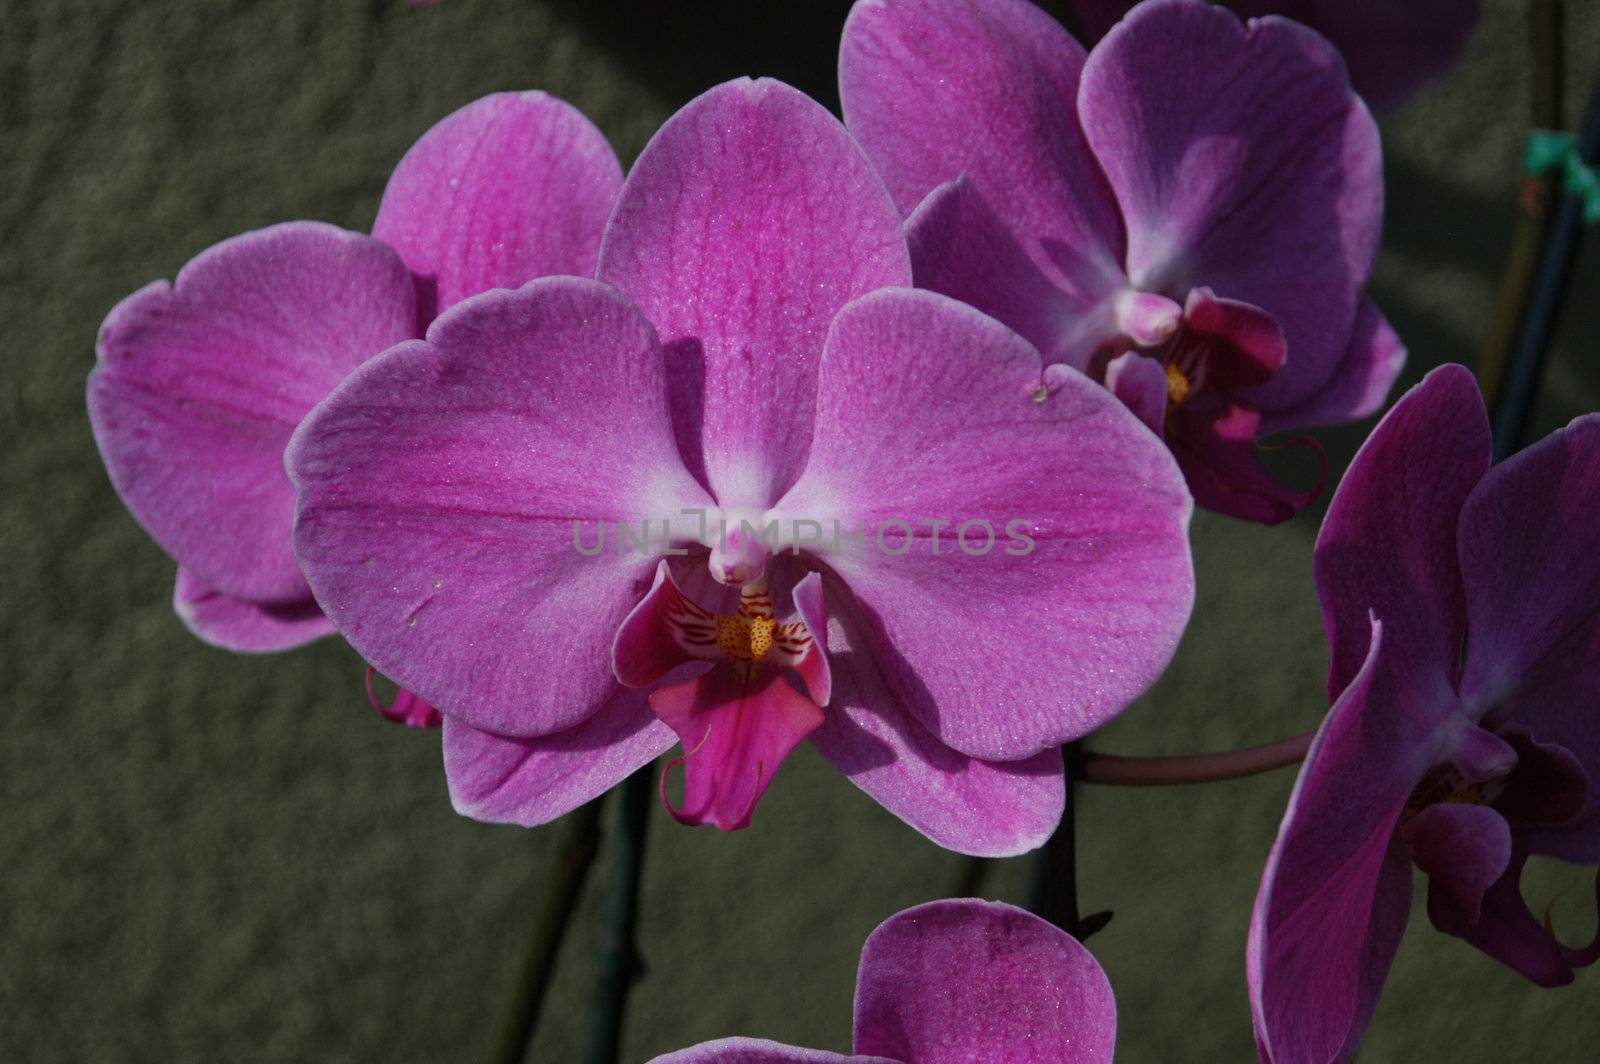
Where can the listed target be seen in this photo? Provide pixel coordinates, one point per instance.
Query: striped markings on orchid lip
(751, 636)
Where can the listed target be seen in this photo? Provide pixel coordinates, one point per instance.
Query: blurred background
(208, 857)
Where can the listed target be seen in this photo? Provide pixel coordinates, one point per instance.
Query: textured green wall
(206, 857)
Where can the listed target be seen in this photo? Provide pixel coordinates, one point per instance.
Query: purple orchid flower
(200, 383)
(1461, 763)
(1188, 213)
(1392, 49)
(733, 370)
(951, 982)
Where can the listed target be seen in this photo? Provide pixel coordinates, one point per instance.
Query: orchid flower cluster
(885, 435)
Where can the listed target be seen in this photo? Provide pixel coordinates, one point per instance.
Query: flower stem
(1550, 285)
(618, 963)
(1538, 198)
(580, 839)
(1195, 768)
(1055, 871)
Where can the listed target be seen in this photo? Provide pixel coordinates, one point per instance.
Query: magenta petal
(937, 89)
(1505, 928)
(1141, 384)
(1242, 160)
(1360, 384)
(1392, 49)
(813, 667)
(442, 490)
(1217, 451)
(963, 980)
(406, 708)
(750, 218)
(646, 647)
(1530, 558)
(1226, 344)
(961, 248)
(242, 625)
(200, 384)
(928, 411)
(1463, 849)
(1337, 887)
(511, 187)
(1388, 542)
(736, 725)
(758, 1051)
(533, 781)
(984, 808)
(1549, 787)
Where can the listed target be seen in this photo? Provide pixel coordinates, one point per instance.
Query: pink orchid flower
(952, 982)
(1188, 213)
(734, 364)
(1464, 764)
(200, 383)
(1392, 49)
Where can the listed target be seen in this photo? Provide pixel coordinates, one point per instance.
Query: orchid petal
(533, 781)
(961, 248)
(929, 411)
(1337, 887)
(1549, 786)
(750, 218)
(1530, 559)
(1388, 542)
(1358, 387)
(443, 485)
(758, 1051)
(666, 629)
(1233, 149)
(1141, 385)
(964, 980)
(1505, 928)
(1230, 345)
(242, 625)
(406, 708)
(935, 89)
(1463, 849)
(1217, 451)
(984, 808)
(200, 384)
(511, 187)
(737, 724)
(1392, 49)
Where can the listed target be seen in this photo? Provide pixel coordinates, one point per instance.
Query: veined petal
(1337, 887)
(1388, 543)
(983, 808)
(1358, 387)
(1530, 559)
(750, 218)
(511, 187)
(443, 485)
(964, 980)
(1392, 49)
(961, 248)
(242, 625)
(200, 384)
(1241, 160)
(758, 1051)
(533, 781)
(935, 89)
(1061, 579)
(737, 724)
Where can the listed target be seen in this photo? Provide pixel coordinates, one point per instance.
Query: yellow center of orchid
(745, 638)
(1177, 387)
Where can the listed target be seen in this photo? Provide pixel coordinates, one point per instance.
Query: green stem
(575, 853)
(618, 964)
(1194, 768)
(1536, 210)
